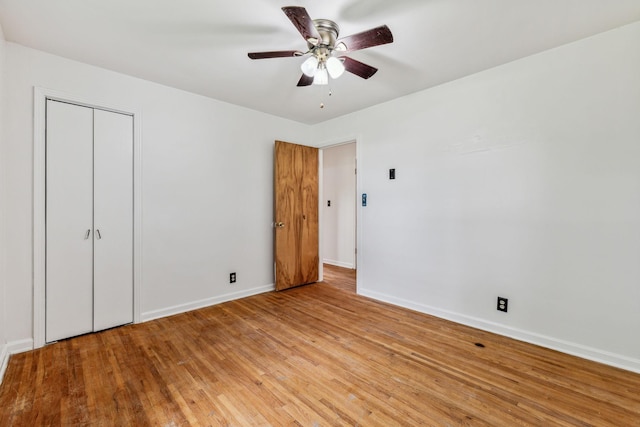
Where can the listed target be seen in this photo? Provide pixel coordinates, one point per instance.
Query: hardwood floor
(340, 277)
(309, 356)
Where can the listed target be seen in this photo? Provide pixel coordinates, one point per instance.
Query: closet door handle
(86, 236)
(98, 233)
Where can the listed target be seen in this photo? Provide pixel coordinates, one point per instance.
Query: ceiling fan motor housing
(328, 31)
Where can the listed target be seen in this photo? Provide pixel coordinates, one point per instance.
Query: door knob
(280, 224)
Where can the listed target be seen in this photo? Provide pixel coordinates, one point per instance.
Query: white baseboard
(182, 308)
(10, 348)
(338, 263)
(15, 347)
(4, 360)
(574, 349)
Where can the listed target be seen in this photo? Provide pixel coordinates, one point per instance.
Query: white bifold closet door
(89, 220)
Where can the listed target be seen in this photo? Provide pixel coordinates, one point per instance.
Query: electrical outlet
(232, 278)
(503, 304)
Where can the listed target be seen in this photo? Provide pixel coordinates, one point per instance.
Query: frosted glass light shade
(310, 66)
(321, 77)
(335, 67)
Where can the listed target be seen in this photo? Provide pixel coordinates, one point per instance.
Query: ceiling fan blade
(303, 22)
(275, 54)
(358, 68)
(305, 80)
(373, 37)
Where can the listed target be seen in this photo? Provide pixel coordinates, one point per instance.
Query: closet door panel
(113, 219)
(69, 212)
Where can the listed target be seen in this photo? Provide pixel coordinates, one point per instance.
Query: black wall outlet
(232, 278)
(503, 304)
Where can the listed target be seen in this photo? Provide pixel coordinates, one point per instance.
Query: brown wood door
(296, 215)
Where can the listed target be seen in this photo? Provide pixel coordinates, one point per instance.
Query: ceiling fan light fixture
(310, 66)
(323, 43)
(321, 77)
(335, 67)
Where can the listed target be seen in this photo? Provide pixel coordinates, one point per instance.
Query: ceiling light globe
(321, 77)
(310, 66)
(335, 67)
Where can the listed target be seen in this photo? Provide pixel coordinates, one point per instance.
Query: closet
(88, 220)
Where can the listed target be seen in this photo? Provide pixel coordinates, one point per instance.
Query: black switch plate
(392, 174)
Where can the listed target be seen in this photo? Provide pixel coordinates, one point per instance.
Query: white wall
(3, 300)
(522, 181)
(206, 187)
(339, 219)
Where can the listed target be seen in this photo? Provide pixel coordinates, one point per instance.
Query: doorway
(339, 213)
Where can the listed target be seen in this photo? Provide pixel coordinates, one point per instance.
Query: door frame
(330, 144)
(40, 96)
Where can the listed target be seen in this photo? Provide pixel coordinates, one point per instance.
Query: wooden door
(113, 220)
(69, 221)
(296, 215)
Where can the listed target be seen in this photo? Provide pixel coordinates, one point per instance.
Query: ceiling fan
(326, 49)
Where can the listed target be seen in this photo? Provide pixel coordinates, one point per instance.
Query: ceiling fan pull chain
(330, 93)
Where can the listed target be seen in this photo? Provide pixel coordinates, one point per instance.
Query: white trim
(4, 360)
(137, 216)
(15, 347)
(10, 348)
(195, 305)
(336, 142)
(359, 213)
(338, 263)
(320, 214)
(39, 194)
(574, 349)
(40, 95)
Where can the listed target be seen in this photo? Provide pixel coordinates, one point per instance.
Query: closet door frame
(40, 96)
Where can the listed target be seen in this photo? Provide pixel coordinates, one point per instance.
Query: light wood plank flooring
(310, 356)
(340, 277)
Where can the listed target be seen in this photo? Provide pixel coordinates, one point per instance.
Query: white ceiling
(201, 45)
